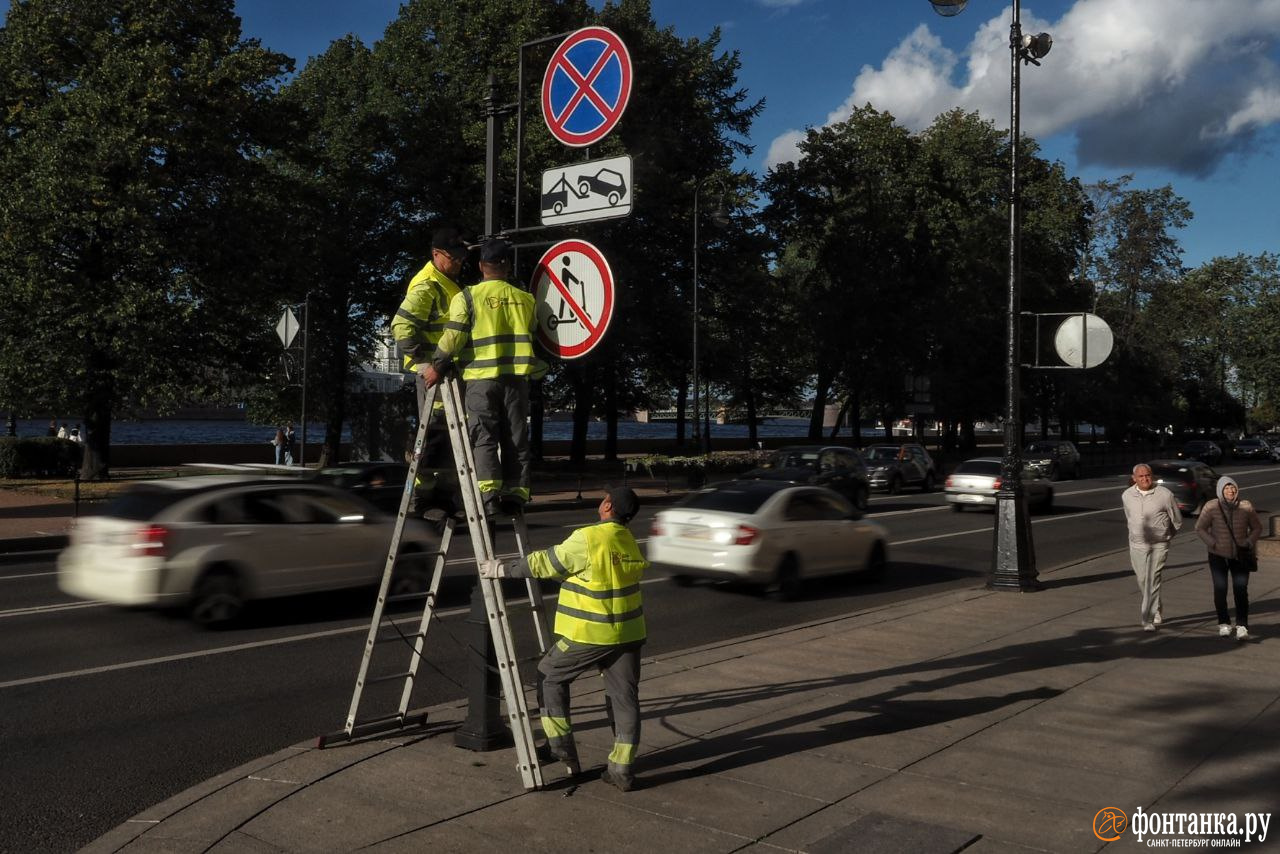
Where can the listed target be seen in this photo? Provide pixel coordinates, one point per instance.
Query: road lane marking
(988, 530)
(42, 609)
(27, 575)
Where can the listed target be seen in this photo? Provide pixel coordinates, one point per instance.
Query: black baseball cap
(624, 500)
(496, 250)
(449, 240)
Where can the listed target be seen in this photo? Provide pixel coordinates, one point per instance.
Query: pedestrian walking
(290, 449)
(600, 626)
(53, 428)
(1153, 518)
(62, 431)
(279, 442)
(489, 331)
(417, 326)
(1230, 527)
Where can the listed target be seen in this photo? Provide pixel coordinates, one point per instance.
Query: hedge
(39, 457)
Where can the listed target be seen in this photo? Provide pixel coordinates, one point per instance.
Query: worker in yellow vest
(600, 626)
(416, 327)
(489, 334)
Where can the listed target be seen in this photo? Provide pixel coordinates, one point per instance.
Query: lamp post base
(1013, 559)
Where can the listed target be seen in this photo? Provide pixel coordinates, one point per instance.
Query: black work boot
(621, 780)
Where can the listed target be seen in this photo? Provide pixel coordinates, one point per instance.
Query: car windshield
(1041, 448)
(1171, 472)
(881, 453)
(141, 504)
(728, 500)
(987, 467)
(1248, 443)
(794, 459)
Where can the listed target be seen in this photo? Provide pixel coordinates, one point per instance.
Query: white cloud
(1138, 82)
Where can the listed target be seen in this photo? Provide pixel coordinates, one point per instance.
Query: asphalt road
(106, 711)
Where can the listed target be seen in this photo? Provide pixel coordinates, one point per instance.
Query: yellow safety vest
(489, 331)
(420, 320)
(599, 568)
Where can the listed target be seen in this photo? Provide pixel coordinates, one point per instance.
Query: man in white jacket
(1153, 517)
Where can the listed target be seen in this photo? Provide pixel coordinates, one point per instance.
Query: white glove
(493, 569)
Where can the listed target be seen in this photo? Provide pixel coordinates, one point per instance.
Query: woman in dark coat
(1225, 525)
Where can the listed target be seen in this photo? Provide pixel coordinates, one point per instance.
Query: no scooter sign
(573, 286)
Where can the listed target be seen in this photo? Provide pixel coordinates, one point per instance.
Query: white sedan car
(975, 483)
(212, 543)
(767, 533)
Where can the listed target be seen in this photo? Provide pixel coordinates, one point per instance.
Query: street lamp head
(1036, 47)
(720, 216)
(949, 8)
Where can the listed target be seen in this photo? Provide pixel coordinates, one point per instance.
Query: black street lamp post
(1013, 559)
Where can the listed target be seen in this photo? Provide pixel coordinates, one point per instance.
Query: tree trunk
(821, 388)
(95, 464)
(581, 416)
(611, 417)
(682, 401)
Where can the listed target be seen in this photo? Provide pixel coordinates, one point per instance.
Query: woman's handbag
(1245, 555)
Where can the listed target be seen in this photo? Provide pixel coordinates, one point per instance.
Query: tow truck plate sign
(584, 192)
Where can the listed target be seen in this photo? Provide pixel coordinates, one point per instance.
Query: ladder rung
(376, 679)
(373, 725)
(396, 638)
(408, 597)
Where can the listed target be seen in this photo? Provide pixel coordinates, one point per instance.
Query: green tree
(129, 223)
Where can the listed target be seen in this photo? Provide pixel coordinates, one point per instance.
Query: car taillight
(151, 541)
(996, 484)
(746, 535)
(655, 528)
(948, 481)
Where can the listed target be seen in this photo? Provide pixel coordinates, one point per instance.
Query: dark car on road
(380, 483)
(1054, 458)
(1254, 449)
(895, 467)
(837, 468)
(1191, 482)
(1202, 450)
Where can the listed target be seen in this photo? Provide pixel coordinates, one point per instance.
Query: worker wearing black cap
(417, 327)
(489, 333)
(600, 624)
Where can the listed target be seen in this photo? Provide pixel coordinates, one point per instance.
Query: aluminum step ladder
(383, 630)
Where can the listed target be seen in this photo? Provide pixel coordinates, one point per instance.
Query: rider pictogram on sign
(573, 286)
(586, 86)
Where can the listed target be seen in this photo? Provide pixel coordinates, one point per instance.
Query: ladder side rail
(393, 553)
(533, 589)
(428, 609)
(495, 606)
(512, 685)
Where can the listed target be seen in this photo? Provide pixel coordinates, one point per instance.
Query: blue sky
(1181, 93)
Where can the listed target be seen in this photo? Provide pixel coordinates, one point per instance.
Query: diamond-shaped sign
(287, 328)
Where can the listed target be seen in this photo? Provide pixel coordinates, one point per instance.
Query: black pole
(697, 426)
(306, 336)
(1013, 561)
(484, 728)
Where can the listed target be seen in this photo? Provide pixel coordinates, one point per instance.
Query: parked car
(606, 182)
(1202, 450)
(380, 483)
(1254, 449)
(836, 468)
(893, 467)
(974, 483)
(1056, 459)
(768, 533)
(1191, 482)
(213, 543)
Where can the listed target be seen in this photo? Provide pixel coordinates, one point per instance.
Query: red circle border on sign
(606, 314)
(612, 41)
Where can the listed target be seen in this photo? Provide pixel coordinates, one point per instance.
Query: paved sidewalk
(988, 722)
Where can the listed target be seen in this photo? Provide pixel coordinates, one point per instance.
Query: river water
(191, 432)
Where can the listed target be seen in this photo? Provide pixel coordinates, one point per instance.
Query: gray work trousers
(1147, 565)
(498, 420)
(620, 666)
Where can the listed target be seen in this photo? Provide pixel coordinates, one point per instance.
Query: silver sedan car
(766, 533)
(213, 543)
(974, 483)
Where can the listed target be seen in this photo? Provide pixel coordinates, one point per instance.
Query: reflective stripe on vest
(603, 607)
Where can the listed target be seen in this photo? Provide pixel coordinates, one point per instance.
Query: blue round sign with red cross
(586, 86)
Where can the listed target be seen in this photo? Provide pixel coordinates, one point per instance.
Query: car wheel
(1053, 471)
(876, 563)
(787, 582)
(895, 484)
(928, 484)
(583, 188)
(614, 198)
(861, 498)
(217, 600)
(410, 576)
